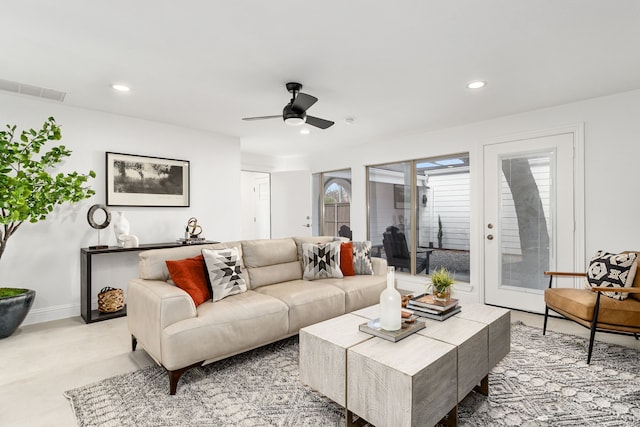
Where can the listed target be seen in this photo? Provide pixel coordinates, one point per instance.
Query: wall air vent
(31, 90)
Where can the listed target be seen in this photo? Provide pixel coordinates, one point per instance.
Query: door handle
(490, 237)
(306, 225)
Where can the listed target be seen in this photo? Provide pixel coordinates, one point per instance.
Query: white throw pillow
(225, 272)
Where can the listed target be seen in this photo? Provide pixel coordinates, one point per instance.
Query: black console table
(86, 254)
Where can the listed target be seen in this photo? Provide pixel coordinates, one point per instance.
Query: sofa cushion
(360, 291)
(362, 258)
(190, 275)
(346, 259)
(224, 328)
(321, 260)
(152, 265)
(612, 270)
(308, 302)
(225, 272)
(271, 261)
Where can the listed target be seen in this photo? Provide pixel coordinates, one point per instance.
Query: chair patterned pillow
(225, 272)
(362, 258)
(321, 260)
(612, 270)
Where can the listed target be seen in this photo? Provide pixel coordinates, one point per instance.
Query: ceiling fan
(295, 112)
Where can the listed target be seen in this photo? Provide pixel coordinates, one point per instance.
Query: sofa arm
(379, 266)
(152, 305)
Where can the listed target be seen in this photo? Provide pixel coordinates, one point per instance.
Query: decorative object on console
(193, 230)
(129, 241)
(110, 300)
(441, 283)
(612, 270)
(146, 181)
(362, 258)
(191, 233)
(190, 275)
(390, 304)
(91, 218)
(225, 272)
(21, 195)
(120, 228)
(321, 260)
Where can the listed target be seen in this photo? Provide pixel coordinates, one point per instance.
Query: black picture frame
(135, 180)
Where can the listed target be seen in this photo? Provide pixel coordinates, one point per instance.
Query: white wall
(46, 256)
(612, 150)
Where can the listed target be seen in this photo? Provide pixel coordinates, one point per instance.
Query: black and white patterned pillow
(321, 260)
(362, 258)
(225, 272)
(612, 270)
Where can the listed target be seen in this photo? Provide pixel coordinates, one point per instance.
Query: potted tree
(28, 193)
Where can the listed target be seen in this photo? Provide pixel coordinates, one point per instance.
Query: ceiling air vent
(31, 90)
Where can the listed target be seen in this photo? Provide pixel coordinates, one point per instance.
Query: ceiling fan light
(294, 121)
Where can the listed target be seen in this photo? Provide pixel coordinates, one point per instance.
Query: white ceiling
(395, 67)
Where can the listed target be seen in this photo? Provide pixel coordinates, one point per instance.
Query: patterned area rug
(544, 381)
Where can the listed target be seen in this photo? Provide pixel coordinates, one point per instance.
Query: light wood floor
(39, 362)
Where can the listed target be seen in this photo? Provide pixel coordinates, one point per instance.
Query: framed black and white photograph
(146, 181)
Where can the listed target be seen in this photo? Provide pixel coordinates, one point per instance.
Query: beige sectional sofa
(178, 335)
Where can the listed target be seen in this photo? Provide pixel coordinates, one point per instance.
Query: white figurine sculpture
(128, 241)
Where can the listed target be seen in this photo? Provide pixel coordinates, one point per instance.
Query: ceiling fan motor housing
(292, 116)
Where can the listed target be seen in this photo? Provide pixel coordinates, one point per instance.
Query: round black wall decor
(92, 211)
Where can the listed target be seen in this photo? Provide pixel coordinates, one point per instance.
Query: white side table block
(472, 340)
(323, 354)
(412, 382)
(499, 322)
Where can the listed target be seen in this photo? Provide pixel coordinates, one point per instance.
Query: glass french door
(529, 218)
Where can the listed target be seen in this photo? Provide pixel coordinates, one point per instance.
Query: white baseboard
(48, 314)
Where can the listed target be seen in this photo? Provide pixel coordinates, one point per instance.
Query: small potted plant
(29, 191)
(441, 283)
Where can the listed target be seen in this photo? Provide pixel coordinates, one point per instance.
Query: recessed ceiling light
(120, 87)
(476, 84)
(349, 120)
(305, 131)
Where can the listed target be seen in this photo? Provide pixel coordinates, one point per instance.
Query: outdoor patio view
(427, 228)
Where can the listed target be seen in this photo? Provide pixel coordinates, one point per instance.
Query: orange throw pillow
(346, 259)
(190, 275)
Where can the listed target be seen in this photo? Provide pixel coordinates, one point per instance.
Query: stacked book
(192, 240)
(426, 305)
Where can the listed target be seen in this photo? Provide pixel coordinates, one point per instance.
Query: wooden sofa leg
(134, 343)
(594, 323)
(174, 376)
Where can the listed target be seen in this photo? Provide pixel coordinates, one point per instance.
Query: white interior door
(290, 204)
(256, 212)
(529, 222)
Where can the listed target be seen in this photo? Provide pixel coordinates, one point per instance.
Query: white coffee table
(415, 382)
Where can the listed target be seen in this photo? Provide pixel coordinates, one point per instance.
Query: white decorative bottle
(121, 228)
(390, 304)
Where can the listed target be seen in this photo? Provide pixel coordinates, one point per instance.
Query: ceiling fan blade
(303, 102)
(319, 123)
(262, 118)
